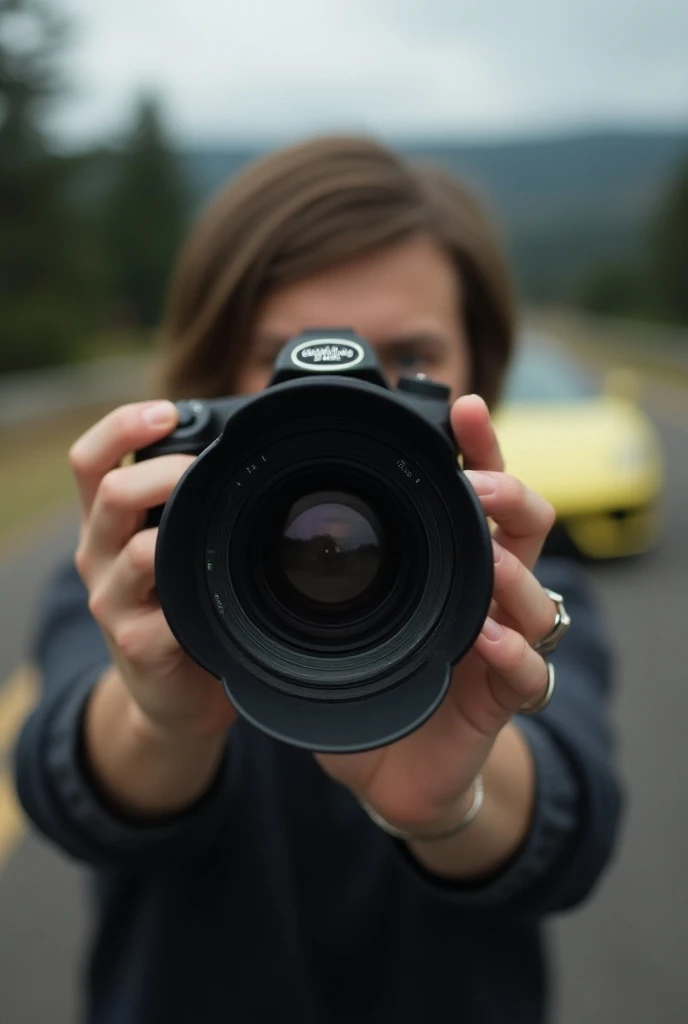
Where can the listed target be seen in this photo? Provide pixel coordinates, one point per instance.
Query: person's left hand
(424, 781)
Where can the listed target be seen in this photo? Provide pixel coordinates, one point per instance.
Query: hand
(424, 782)
(115, 558)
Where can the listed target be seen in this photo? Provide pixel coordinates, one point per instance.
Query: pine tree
(669, 250)
(39, 313)
(146, 216)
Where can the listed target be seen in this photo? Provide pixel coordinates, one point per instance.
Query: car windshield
(539, 374)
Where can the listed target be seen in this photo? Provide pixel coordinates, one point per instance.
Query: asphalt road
(618, 960)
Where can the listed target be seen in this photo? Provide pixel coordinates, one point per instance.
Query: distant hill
(566, 205)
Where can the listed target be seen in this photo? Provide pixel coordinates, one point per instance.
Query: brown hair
(308, 207)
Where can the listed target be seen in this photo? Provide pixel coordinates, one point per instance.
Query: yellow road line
(17, 697)
(12, 826)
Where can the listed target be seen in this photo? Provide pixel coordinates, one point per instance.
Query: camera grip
(195, 430)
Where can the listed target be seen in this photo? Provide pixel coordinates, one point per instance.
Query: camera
(324, 555)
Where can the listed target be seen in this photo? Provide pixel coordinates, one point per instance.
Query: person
(240, 878)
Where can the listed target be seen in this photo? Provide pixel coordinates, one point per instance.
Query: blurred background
(117, 122)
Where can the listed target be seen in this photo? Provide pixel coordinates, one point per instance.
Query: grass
(35, 473)
(114, 343)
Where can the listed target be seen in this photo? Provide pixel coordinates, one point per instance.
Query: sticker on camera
(327, 354)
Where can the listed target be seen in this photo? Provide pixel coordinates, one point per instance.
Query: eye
(408, 360)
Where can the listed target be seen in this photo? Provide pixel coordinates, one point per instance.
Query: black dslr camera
(324, 556)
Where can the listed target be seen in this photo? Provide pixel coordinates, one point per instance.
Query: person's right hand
(115, 559)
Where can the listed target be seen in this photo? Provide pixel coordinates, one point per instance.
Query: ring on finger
(539, 704)
(562, 621)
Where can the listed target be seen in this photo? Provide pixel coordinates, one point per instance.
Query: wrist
(500, 828)
(142, 769)
(463, 811)
(446, 825)
(171, 731)
(155, 729)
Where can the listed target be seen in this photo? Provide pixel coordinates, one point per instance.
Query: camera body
(331, 350)
(324, 555)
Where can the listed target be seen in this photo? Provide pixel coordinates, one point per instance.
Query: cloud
(265, 68)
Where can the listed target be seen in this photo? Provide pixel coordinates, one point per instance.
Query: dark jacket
(277, 899)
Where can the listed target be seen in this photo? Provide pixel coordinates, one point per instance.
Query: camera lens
(330, 547)
(329, 563)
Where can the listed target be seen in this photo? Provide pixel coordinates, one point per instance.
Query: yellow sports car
(592, 452)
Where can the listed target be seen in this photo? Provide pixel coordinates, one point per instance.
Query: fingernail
(492, 631)
(497, 552)
(479, 398)
(482, 483)
(160, 414)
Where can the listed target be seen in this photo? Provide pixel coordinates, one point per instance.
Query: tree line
(86, 240)
(654, 284)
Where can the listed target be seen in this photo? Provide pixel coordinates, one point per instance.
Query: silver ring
(542, 702)
(562, 621)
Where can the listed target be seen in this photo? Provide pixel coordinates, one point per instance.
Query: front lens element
(330, 548)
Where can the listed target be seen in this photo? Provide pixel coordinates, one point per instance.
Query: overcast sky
(255, 69)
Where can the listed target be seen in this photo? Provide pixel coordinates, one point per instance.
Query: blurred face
(405, 300)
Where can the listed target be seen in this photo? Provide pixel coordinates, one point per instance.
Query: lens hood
(345, 682)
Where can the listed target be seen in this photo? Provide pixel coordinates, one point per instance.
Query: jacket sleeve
(578, 795)
(53, 781)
